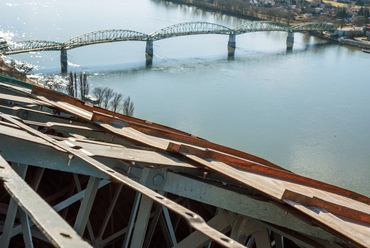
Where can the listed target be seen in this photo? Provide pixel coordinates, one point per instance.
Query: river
(307, 110)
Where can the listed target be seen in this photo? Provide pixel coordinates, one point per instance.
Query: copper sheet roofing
(25, 113)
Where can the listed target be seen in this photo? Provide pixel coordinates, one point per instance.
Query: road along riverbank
(247, 11)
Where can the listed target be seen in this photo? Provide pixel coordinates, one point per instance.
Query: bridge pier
(149, 52)
(231, 45)
(64, 60)
(290, 41)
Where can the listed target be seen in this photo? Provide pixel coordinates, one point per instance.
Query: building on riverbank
(350, 32)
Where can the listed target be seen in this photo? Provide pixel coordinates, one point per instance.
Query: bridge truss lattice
(190, 28)
(181, 29)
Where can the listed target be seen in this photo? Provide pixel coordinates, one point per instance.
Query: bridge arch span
(103, 36)
(32, 45)
(257, 26)
(312, 26)
(190, 28)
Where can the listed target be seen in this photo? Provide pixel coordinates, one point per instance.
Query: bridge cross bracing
(181, 29)
(100, 179)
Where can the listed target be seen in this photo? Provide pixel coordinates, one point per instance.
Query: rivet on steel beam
(205, 174)
(158, 179)
(70, 157)
(25, 114)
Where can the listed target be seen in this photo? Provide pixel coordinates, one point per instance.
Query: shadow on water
(158, 63)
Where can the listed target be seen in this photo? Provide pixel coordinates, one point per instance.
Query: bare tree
(51, 84)
(99, 93)
(25, 69)
(84, 87)
(128, 107)
(70, 86)
(116, 102)
(108, 94)
(75, 84)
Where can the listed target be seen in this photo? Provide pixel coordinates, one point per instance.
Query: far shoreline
(261, 17)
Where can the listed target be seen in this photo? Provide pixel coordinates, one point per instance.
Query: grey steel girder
(36, 149)
(203, 191)
(192, 218)
(57, 231)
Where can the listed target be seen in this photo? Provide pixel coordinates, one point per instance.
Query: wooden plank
(259, 182)
(100, 149)
(178, 137)
(135, 135)
(133, 155)
(106, 116)
(354, 232)
(329, 206)
(69, 108)
(22, 99)
(265, 170)
(276, 188)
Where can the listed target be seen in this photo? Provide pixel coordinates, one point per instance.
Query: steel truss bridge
(182, 29)
(75, 175)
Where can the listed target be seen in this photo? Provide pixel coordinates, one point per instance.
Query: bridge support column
(149, 52)
(231, 45)
(290, 41)
(64, 60)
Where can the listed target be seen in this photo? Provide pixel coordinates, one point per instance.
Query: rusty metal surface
(335, 210)
(265, 170)
(192, 218)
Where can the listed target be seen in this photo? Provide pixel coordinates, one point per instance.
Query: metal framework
(190, 28)
(312, 26)
(262, 26)
(104, 36)
(32, 45)
(181, 29)
(75, 175)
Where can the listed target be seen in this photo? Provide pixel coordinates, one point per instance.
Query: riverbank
(242, 9)
(360, 42)
(13, 72)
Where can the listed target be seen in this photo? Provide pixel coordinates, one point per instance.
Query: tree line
(104, 97)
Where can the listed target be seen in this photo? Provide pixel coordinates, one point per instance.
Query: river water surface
(307, 110)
